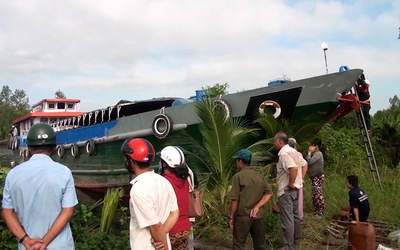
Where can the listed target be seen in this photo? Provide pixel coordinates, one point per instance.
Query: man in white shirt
(153, 204)
(289, 182)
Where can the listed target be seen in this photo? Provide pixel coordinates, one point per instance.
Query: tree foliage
(59, 94)
(393, 110)
(216, 90)
(394, 105)
(386, 129)
(12, 105)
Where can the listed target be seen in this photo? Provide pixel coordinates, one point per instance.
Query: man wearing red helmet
(153, 204)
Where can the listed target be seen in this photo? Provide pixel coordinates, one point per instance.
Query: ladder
(368, 146)
(348, 103)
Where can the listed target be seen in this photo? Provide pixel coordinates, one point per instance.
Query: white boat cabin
(58, 112)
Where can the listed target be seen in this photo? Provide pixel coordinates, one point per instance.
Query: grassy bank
(384, 208)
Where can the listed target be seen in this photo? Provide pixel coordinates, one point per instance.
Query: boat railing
(121, 109)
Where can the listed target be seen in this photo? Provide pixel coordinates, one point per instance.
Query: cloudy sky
(105, 51)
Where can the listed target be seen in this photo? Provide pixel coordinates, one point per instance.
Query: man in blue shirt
(39, 196)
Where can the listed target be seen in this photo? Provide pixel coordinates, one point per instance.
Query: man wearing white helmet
(175, 170)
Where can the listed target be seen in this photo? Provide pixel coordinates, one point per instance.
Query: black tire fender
(75, 150)
(60, 151)
(162, 125)
(90, 147)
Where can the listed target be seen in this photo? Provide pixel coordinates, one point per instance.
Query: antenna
(324, 47)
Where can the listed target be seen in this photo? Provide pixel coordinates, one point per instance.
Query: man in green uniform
(248, 192)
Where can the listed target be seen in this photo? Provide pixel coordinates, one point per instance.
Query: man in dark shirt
(248, 192)
(362, 88)
(359, 203)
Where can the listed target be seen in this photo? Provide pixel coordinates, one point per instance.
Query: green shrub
(85, 226)
(84, 222)
(7, 240)
(104, 241)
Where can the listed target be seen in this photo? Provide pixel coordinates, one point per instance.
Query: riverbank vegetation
(209, 155)
(13, 104)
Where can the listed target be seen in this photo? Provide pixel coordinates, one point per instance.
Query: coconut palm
(303, 131)
(210, 152)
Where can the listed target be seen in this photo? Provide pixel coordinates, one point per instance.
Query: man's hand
(38, 246)
(292, 187)
(157, 245)
(253, 212)
(33, 244)
(230, 223)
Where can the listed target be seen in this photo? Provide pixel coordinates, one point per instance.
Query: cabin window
(70, 106)
(52, 105)
(61, 105)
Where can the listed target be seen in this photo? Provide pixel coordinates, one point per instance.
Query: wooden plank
(334, 234)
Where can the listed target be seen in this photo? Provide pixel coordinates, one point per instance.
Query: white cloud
(103, 51)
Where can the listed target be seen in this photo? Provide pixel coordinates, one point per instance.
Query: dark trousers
(365, 109)
(362, 215)
(290, 220)
(243, 225)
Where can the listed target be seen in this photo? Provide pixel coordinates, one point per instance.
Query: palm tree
(210, 152)
(387, 131)
(303, 131)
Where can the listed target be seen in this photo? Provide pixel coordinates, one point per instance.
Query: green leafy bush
(7, 240)
(104, 241)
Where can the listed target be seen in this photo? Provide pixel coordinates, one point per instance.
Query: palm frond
(210, 152)
(111, 200)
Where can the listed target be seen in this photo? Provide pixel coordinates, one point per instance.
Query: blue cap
(244, 154)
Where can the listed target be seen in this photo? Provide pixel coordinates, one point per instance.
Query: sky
(105, 51)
